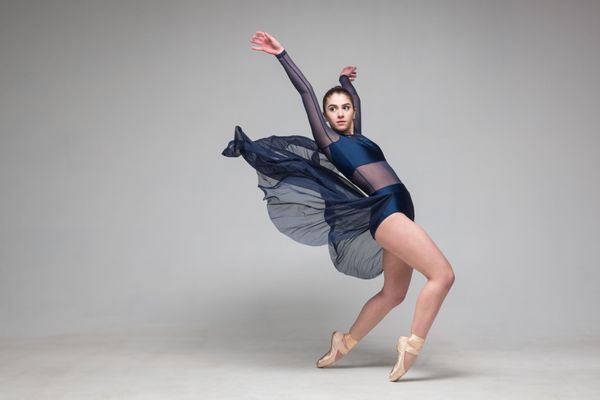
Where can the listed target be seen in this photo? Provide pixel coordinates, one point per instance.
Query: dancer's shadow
(294, 333)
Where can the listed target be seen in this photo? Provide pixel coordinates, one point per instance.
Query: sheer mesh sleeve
(322, 133)
(347, 84)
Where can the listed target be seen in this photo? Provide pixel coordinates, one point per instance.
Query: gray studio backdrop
(119, 213)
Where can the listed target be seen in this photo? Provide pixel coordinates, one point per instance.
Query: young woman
(315, 192)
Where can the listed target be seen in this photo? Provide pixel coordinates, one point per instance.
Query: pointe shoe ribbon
(341, 344)
(412, 345)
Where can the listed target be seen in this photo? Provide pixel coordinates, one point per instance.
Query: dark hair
(337, 89)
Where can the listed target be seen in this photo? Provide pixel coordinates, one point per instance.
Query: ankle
(349, 340)
(416, 338)
(416, 342)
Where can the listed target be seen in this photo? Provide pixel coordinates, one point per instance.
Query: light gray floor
(194, 365)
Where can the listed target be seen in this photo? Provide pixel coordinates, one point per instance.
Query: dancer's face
(340, 113)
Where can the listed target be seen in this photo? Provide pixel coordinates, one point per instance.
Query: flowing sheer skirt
(310, 201)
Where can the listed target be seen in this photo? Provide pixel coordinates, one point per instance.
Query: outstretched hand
(349, 71)
(266, 43)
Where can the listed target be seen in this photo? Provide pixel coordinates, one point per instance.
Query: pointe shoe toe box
(338, 350)
(412, 345)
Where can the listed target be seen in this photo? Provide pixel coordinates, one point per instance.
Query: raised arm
(346, 76)
(322, 133)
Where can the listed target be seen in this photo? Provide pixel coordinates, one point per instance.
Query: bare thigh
(396, 276)
(408, 241)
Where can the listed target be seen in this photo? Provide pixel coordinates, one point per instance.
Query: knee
(447, 277)
(444, 277)
(394, 298)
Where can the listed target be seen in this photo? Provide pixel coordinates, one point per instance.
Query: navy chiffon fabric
(310, 201)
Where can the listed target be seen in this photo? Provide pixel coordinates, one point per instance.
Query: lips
(340, 122)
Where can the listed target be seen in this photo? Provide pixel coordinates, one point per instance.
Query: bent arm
(347, 84)
(322, 133)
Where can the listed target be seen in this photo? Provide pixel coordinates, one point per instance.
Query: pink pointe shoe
(413, 345)
(341, 344)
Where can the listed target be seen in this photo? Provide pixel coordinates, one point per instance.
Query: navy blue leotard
(356, 156)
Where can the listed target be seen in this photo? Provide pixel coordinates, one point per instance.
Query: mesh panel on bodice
(357, 157)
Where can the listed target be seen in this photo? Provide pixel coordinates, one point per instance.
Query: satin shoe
(341, 344)
(412, 345)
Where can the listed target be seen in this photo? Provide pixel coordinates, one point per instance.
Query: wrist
(281, 53)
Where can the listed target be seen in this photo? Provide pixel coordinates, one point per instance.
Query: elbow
(305, 89)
